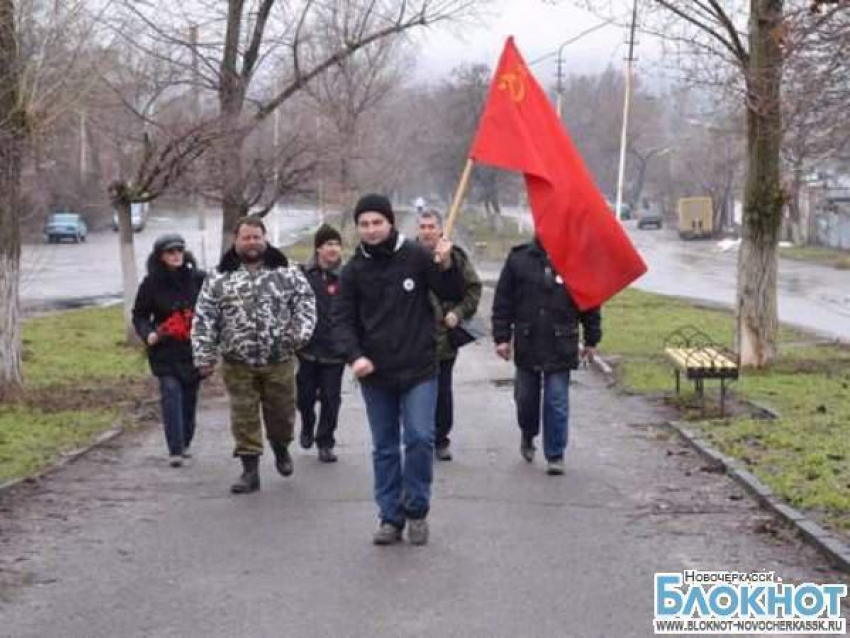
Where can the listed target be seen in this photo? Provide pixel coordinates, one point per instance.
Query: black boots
(326, 455)
(282, 459)
(250, 479)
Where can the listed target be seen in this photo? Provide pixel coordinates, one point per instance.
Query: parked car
(138, 217)
(649, 217)
(65, 225)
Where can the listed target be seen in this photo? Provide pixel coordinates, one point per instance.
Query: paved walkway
(118, 544)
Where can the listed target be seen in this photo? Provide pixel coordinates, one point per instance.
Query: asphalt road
(61, 275)
(811, 296)
(119, 544)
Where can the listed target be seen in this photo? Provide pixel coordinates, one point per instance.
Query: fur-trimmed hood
(272, 258)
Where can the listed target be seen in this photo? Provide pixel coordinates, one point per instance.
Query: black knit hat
(168, 241)
(325, 234)
(374, 203)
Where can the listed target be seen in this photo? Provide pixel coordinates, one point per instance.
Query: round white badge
(559, 280)
(409, 284)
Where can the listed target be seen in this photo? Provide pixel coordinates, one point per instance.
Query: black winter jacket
(533, 307)
(325, 344)
(384, 312)
(163, 299)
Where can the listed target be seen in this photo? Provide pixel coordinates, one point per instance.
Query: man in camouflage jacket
(255, 311)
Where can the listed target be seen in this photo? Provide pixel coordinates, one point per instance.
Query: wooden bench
(701, 362)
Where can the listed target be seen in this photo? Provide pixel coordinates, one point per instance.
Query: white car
(138, 217)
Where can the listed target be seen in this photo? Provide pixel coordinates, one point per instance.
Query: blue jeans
(402, 486)
(179, 400)
(555, 388)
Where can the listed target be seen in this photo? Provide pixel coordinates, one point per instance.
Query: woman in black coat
(162, 316)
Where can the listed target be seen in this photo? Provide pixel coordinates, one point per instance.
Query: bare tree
(12, 138)
(144, 110)
(753, 38)
(817, 89)
(347, 92)
(286, 45)
(39, 80)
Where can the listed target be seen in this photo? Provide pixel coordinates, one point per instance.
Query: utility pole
(196, 105)
(276, 174)
(320, 190)
(84, 165)
(559, 104)
(626, 106)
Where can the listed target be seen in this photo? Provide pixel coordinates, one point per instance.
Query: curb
(824, 541)
(65, 459)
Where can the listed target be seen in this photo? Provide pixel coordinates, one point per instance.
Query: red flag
(519, 130)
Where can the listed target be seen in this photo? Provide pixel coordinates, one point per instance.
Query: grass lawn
(79, 378)
(805, 454)
(839, 259)
(491, 242)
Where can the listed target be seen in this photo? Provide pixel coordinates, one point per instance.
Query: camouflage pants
(254, 390)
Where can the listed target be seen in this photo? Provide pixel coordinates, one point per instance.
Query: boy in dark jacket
(162, 317)
(533, 308)
(388, 331)
(321, 361)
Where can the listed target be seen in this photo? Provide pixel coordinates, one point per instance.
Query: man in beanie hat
(321, 361)
(387, 327)
(255, 311)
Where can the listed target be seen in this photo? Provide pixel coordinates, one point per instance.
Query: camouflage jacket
(254, 317)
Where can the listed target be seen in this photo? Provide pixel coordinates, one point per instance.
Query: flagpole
(626, 104)
(459, 195)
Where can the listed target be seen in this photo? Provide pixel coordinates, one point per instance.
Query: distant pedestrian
(449, 316)
(162, 317)
(387, 325)
(321, 362)
(255, 311)
(533, 309)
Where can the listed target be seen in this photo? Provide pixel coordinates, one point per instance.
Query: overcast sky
(538, 29)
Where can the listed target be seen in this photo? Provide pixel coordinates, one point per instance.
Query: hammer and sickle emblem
(514, 83)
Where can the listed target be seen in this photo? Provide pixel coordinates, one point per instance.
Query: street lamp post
(560, 53)
(626, 106)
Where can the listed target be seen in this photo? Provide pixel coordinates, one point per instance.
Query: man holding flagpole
(387, 330)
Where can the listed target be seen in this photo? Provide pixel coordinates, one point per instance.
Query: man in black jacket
(321, 362)
(533, 308)
(388, 331)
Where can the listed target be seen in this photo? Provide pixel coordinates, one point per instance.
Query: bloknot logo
(702, 602)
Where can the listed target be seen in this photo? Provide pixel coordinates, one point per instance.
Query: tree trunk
(764, 197)
(129, 276)
(12, 139)
(233, 205)
(233, 185)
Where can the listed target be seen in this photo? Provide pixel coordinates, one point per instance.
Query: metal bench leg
(722, 398)
(701, 393)
(678, 381)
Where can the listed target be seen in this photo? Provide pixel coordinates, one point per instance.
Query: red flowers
(177, 326)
